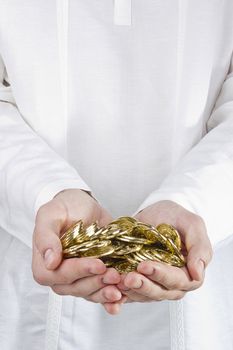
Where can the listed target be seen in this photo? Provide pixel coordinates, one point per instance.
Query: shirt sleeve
(202, 181)
(31, 173)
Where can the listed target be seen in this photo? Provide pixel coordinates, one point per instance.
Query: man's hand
(81, 277)
(159, 281)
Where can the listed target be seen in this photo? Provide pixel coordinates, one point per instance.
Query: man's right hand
(80, 277)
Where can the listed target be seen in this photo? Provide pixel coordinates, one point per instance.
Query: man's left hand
(156, 281)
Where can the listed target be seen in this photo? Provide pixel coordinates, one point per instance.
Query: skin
(156, 281)
(84, 277)
(90, 279)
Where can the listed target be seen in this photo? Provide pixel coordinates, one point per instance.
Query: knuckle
(42, 211)
(58, 290)
(196, 221)
(40, 278)
(159, 297)
(176, 285)
(199, 221)
(194, 286)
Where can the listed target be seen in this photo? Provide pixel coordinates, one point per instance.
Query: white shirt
(117, 100)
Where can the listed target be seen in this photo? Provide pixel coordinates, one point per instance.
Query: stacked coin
(124, 243)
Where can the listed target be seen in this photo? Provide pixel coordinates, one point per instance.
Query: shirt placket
(123, 12)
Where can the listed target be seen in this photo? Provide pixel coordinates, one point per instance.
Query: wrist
(80, 189)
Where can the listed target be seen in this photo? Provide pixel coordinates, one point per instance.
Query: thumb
(49, 246)
(199, 256)
(196, 264)
(46, 236)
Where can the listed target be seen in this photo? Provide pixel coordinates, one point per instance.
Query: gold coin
(91, 230)
(124, 243)
(170, 232)
(110, 261)
(124, 223)
(70, 236)
(133, 239)
(112, 233)
(135, 258)
(98, 252)
(158, 254)
(99, 233)
(125, 267)
(123, 249)
(149, 233)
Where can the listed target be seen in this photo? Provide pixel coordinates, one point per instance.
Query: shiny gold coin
(146, 231)
(110, 261)
(112, 233)
(124, 223)
(125, 267)
(157, 254)
(134, 258)
(98, 252)
(73, 234)
(91, 230)
(133, 239)
(85, 246)
(123, 249)
(170, 232)
(124, 243)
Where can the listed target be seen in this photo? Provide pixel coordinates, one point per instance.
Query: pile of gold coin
(124, 243)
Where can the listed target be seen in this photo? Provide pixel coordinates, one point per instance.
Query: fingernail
(48, 257)
(200, 268)
(148, 270)
(105, 280)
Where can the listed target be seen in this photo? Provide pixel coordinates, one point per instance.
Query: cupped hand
(81, 277)
(156, 281)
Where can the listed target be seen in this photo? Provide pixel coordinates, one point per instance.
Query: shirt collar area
(122, 12)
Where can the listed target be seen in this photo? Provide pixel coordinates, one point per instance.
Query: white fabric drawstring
(176, 307)
(122, 12)
(53, 321)
(55, 301)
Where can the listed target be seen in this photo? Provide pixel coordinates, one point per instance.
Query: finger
(170, 277)
(146, 289)
(199, 249)
(111, 276)
(105, 295)
(114, 308)
(137, 296)
(69, 271)
(121, 284)
(133, 296)
(87, 285)
(46, 234)
(81, 288)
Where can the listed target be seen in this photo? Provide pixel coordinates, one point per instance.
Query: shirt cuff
(48, 192)
(157, 196)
